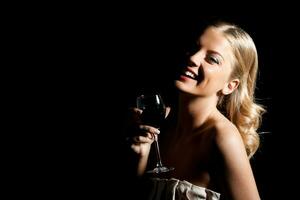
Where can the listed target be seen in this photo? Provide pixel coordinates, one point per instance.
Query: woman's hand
(142, 136)
(141, 143)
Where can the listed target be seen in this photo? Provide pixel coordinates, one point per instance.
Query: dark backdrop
(94, 63)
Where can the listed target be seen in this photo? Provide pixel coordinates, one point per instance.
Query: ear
(230, 86)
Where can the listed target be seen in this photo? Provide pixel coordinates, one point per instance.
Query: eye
(212, 59)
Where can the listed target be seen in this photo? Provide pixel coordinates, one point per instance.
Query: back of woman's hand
(141, 136)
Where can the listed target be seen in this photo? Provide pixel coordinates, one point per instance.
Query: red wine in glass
(153, 114)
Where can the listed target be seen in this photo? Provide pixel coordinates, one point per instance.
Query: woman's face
(209, 69)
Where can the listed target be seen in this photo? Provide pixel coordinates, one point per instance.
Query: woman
(213, 131)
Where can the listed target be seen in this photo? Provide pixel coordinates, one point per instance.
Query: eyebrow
(198, 42)
(215, 52)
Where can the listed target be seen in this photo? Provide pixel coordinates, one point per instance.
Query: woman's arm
(238, 174)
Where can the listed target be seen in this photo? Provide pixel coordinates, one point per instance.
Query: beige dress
(174, 189)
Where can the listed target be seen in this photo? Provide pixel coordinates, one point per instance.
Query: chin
(184, 88)
(178, 84)
(181, 87)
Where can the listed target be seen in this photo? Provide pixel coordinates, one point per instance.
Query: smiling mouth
(190, 75)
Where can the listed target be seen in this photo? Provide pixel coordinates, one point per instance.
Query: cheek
(212, 74)
(214, 78)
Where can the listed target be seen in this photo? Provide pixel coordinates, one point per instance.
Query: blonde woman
(211, 134)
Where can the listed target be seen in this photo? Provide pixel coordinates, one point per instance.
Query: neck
(194, 111)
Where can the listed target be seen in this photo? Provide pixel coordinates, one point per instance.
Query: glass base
(162, 169)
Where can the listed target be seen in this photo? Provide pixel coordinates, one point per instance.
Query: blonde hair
(240, 106)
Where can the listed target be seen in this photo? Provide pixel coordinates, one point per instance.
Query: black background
(89, 64)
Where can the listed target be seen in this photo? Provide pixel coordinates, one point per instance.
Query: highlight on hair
(240, 106)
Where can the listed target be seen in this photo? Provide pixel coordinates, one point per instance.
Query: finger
(137, 110)
(142, 139)
(149, 129)
(150, 135)
(134, 115)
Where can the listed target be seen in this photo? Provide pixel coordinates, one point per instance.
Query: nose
(196, 59)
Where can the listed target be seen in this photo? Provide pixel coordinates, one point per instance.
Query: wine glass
(153, 114)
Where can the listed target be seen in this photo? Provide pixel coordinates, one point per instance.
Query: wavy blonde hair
(240, 106)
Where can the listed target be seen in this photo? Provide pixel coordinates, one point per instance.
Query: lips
(190, 74)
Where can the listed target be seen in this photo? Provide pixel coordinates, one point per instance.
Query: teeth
(190, 74)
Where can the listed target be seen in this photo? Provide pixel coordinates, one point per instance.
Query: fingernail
(157, 131)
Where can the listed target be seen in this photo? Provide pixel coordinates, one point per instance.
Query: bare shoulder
(227, 138)
(236, 165)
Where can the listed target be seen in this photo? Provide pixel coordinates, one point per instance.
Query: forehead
(214, 39)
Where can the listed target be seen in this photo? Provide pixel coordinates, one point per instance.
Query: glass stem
(158, 164)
